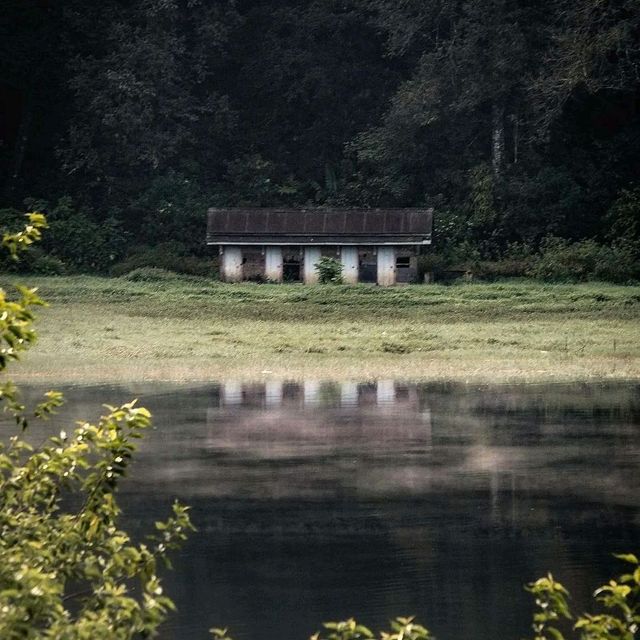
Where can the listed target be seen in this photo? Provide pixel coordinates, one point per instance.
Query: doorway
(368, 264)
(292, 265)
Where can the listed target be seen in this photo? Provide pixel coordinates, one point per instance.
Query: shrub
(329, 270)
(66, 568)
(79, 242)
(505, 268)
(560, 260)
(619, 599)
(173, 206)
(431, 263)
(44, 265)
(170, 256)
(149, 274)
(623, 217)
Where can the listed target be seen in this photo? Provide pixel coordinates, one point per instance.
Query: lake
(320, 501)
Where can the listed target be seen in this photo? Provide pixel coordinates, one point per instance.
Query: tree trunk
(516, 137)
(22, 138)
(497, 138)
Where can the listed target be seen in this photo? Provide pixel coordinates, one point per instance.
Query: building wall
(406, 255)
(253, 267)
(253, 262)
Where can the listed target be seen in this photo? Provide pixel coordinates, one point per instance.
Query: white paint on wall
(311, 258)
(232, 264)
(273, 263)
(349, 259)
(386, 266)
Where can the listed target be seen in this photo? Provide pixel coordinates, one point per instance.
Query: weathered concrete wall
(311, 257)
(273, 263)
(331, 252)
(406, 256)
(349, 259)
(253, 263)
(231, 264)
(386, 266)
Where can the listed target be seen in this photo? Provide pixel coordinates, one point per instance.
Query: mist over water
(320, 501)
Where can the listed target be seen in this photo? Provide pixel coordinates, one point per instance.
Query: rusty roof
(319, 226)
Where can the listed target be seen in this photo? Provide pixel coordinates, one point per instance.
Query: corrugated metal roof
(319, 226)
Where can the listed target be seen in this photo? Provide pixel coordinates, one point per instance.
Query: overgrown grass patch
(183, 326)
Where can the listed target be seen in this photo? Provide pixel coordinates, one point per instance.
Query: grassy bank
(101, 329)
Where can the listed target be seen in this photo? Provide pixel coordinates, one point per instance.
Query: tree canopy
(517, 120)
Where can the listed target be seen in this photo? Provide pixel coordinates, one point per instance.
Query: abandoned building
(374, 245)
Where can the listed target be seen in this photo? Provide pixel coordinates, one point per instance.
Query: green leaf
(627, 557)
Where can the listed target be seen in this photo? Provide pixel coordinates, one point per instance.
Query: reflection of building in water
(313, 393)
(280, 420)
(386, 392)
(232, 393)
(273, 393)
(348, 394)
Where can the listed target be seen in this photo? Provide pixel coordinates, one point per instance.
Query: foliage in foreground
(66, 569)
(620, 601)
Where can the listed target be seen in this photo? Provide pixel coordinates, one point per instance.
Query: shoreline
(489, 372)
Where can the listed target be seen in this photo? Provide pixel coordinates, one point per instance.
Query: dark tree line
(516, 119)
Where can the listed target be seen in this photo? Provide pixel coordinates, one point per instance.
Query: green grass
(100, 329)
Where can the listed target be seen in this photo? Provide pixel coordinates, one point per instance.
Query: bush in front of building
(329, 270)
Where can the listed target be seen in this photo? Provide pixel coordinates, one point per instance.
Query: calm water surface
(322, 501)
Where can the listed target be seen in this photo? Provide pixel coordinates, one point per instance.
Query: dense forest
(517, 120)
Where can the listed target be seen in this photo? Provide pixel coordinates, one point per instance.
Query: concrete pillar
(349, 259)
(385, 392)
(386, 266)
(273, 264)
(231, 264)
(273, 393)
(311, 257)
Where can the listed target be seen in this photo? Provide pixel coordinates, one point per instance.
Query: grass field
(176, 328)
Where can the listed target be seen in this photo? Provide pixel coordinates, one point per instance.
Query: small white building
(374, 245)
